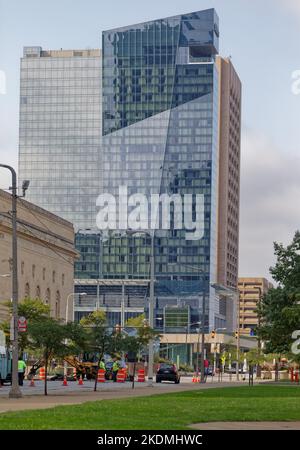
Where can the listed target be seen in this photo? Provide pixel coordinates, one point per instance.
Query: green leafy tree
(48, 337)
(279, 311)
(33, 309)
(137, 321)
(99, 337)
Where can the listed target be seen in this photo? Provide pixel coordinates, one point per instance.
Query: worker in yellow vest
(21, 370)
(115, 368)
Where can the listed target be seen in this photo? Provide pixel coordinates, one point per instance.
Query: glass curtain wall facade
(60, 130)
(142, 114)
(160, 135)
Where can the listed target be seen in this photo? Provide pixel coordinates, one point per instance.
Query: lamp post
(231, 293)
(151, 301)
(187, 327)
(71, 295)
(15, 391)
(202, 365)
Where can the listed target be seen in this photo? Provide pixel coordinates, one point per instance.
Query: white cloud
(270, 192)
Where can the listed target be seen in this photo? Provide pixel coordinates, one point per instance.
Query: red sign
(22, 325)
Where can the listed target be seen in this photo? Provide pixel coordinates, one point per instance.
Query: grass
(165, 411)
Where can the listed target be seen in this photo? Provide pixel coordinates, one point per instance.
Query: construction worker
(21, 370)
(115, 368)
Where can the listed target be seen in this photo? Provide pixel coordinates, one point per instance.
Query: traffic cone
(32, 383)
(65, 383)
(194, 379)
(80, 381)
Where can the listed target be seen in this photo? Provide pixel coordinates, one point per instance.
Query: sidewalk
(246, 426)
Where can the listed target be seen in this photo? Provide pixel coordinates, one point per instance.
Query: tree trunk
(96, 379)
(46, 373)
(133, 374)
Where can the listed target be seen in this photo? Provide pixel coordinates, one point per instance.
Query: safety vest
(115, 367)
(102, 365)
(21, 366)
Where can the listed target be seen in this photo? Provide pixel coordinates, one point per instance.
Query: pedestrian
(115, 369)
(21, 370)
(206, 368)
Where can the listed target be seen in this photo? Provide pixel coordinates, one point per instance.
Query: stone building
(46, 255)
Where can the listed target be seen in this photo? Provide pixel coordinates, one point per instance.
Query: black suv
(167, 372)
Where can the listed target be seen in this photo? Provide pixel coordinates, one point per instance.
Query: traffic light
(118, 329)
(236, 334)
(213, 334)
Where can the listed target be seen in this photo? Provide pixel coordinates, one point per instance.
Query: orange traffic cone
(65, 383)
(32, 383)
(80, 381)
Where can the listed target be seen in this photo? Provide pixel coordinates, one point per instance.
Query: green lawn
(166, 411)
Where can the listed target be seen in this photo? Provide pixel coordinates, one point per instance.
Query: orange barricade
(42, 373)
(101, 376)
(141, 375)
(120, 376)
(75, 373)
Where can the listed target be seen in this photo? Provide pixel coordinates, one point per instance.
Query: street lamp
(151, 301)
(202, 380)
(230, 293)
(82, 294)
(15, 391)
(186, 344)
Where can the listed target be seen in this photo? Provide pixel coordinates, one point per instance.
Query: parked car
(167, 372)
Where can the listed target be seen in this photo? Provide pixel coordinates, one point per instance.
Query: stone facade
(46, 256)
(230, 93)
(251, 291)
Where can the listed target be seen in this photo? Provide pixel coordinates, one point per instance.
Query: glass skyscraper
(144, 113)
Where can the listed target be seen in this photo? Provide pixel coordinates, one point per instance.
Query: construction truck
(85, 367)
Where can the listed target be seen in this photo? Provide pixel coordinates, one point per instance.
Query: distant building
(230, 95)
(251, 291)
(46, 256)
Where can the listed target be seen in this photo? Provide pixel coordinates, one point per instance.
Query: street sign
(22, 324)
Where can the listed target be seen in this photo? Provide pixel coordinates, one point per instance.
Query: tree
(48, 337)
(279, 311)
(33, 310)
(137, 343)
(99, 338)
(137, 321)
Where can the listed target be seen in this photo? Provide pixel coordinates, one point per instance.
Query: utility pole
(15, 391)
(151, 313)
(202, 365)
(238, 340)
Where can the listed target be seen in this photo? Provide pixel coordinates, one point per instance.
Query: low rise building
(46, 255)
(251, 291)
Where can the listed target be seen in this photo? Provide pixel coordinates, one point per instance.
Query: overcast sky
(263, 38)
